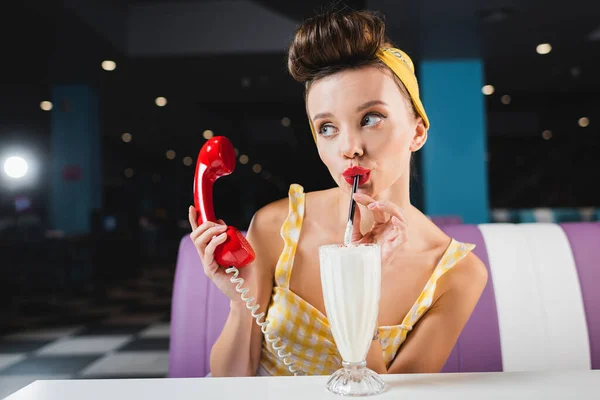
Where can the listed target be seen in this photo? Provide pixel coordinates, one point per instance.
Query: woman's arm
(237, 350)
(429, 344)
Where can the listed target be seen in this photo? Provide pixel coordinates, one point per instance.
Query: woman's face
(361, 118)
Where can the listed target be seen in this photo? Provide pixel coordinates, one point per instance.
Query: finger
(202, 241)
(220, 221)
(209, 233)
(202, 228)
(389, 234)
(392, 229)
(368, 238)
(378, 214)
(370, 203)
(209, 253)
(363, 199)
(192, 218)
(387, 254)
(398, 223)
(400, 240)
(389, 208)
(399, 237)
(390, 247)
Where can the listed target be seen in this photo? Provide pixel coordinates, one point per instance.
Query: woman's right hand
(206, 238)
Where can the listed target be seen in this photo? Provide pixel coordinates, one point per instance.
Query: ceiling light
(126, 137)
(187, 161)
(286, 122)
(256, 168)
(170, 154)
(46, 105)
(584, 122)
(161, 101)
(488, 90)
(244, 159)
(208, 134)
(547, 134)
(109, 65)
(544, 48)
(129, 172)
(15, 167)
(505, 99)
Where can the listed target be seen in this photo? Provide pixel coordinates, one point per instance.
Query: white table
(505, 385)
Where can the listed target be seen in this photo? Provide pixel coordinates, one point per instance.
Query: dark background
(245, 94)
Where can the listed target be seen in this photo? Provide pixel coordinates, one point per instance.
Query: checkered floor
(124, 335)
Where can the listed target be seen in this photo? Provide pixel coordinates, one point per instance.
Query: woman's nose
(351, 146)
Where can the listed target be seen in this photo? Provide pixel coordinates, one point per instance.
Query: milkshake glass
(351, 283)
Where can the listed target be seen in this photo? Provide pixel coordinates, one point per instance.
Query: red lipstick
(363, 174)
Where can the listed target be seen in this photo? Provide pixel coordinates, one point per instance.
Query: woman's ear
(420, 136)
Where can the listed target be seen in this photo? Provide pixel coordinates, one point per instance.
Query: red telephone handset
(217, 159)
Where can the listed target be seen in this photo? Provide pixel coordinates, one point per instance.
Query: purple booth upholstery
(198, 313)
(481, 334)
(447, 220)
(585, 243)
(540, 309)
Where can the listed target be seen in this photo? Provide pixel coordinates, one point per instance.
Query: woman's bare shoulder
(319, 198)
(320, 209)
(469, 275)
(264, 231)
(270, 217)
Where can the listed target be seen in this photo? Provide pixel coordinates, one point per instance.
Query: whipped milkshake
(351, 282)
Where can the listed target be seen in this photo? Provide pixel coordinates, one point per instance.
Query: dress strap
(290, 232)
(455, 252)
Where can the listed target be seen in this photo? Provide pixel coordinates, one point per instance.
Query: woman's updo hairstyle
(336, 41)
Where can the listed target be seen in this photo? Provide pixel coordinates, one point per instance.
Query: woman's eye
(327, 130)
(371, 119)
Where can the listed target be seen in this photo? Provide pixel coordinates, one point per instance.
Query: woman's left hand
(389, 228)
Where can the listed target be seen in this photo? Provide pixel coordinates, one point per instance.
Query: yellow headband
(401, 64)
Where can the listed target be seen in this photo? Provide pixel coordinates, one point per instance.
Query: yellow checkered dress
(305, 330)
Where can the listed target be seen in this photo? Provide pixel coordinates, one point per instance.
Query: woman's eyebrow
(360, 108)
(371, 103)
(323, 115)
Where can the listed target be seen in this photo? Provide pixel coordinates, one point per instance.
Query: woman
(364, 110)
